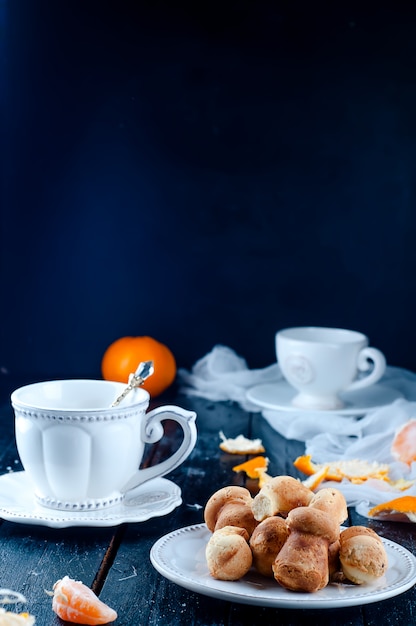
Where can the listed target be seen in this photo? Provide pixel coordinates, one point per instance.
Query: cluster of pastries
(289, 533)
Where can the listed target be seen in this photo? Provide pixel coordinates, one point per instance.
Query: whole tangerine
(123, 356)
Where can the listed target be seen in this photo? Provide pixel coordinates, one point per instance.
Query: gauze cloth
(224, 375)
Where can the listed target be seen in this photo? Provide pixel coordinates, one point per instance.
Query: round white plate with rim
(180, 557)
(18, 504)
(278, 396)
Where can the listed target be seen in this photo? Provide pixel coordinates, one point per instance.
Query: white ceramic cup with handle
(80, 453)
(323, 362)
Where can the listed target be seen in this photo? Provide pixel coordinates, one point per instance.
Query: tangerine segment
(252, 466)
(123, 356)
(75, 602)
(403, 447)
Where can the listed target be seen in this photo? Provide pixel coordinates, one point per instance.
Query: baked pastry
(266, 542)
(290, 533)
(332, 501)
(302, 563)
(362, 555)
(353, 531)
(230, 506)
(278, 496)
(334, 565)
(228, 554)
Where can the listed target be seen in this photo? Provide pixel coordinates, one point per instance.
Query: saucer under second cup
(279, 396)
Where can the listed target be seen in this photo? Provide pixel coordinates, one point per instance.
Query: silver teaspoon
(144, 370)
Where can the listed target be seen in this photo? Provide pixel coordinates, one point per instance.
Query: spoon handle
(143, 371)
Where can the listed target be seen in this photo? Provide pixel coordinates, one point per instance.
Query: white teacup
(82, 454)
(323, 362)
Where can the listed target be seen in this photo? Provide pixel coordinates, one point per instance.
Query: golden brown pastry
(332, 501)
(290, 533)
(353, 531)
(266, 542)
(228, 553)
(278, 496)
(230, 506)
(362, 555)
(302, 563)
(334, 565)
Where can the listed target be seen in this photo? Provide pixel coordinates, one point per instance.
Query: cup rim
(18, 396)
(334, 335)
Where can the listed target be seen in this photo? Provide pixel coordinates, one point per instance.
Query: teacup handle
(152, 431)
(365, 357)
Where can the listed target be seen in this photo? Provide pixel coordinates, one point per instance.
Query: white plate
(18, 504)
(279, 395)
(180, 557)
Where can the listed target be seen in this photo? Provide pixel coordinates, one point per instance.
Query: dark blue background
(204, 173)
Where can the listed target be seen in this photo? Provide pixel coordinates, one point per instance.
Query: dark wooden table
(115, 561)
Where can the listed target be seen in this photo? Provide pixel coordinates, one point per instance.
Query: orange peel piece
(264, 477)
(401, 484)
(241, 445)
(314, 480)
(252, 467)
(356, 471)
(8, 618)
(402, 506)
(305, 464)
(16, 619)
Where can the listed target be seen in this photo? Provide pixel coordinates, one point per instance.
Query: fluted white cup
(82, 454)
(323, 362)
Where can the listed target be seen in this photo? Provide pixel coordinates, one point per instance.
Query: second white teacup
(82, 454)
(323, 362)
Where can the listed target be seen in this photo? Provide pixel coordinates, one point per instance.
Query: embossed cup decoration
(82, 454)
(323, 362)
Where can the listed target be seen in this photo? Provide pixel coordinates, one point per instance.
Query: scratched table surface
(115, 561)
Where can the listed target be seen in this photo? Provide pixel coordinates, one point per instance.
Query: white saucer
(278, 396)
(18, 504)
(180, 557)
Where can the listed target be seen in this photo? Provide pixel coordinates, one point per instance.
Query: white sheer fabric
(224, 375)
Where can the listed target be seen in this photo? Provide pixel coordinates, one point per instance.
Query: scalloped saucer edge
(278, 397)
(155, 498)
